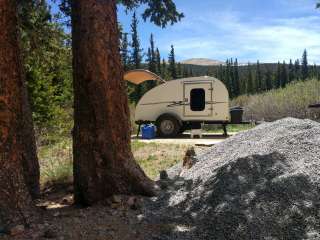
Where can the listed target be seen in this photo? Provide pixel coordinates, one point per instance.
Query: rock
(134, 203)
(140, 217)
(56, 214)
(131, 201)
(115, 205)
(163, 185)
(49, 233)
(189, 158)
(259, 184)
(116, 199)
(17, 230)
(163, 175)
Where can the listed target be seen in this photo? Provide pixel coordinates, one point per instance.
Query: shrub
(291, 101)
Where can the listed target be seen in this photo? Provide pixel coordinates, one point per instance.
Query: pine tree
(179, 70)
(152, 56)
(278, 83)
(172, 64)
(136, 56)
(258, 78)
(227, 77)
(16, 206)
(304, 67)
(103, 162)
(158, 62)
(125, 59)
(297, 70)
(250, 85)
(236, 79)
(268, 80)
(152, 67)
(185, 72)
(291, 72)
(284, 75)
(220, 72)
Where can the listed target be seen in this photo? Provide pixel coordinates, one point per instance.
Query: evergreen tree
(46, 54)
(164, 71)
(284, 75)
(179, 70)
(185, 72)
(136, 58)
(124, 51)
(297, 71)
(158, 62)
(220, 72)
(291, 72)
(103, 162)
(278, 83)
(136, 55)
(313, 72)
(304, 67)
(228, 77)
(250, 85)
(258, 78)
(268, 80)
(236, 79)
(152, 66)
(172, 64)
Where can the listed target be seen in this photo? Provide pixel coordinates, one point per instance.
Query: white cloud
(227, 34)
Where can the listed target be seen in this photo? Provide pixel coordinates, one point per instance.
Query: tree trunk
(15, 201)
(30, 161)
(103, 161)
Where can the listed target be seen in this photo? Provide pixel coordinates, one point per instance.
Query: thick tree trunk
(103, 162)
(15, 201)
(30, 161)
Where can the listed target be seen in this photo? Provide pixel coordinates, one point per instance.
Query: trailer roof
(140, 75)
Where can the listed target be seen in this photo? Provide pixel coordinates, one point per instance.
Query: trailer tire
(167, 126)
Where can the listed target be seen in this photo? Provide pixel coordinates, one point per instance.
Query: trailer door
(198, 99)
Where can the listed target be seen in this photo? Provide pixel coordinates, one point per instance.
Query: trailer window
(197, 99)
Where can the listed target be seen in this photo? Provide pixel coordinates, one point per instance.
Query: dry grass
(55, 162)
(154, 157)
(291, 101)
(56, 159)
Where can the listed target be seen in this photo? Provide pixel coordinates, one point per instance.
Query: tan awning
(140, 76)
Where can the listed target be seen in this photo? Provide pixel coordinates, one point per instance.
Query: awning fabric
(139, 76)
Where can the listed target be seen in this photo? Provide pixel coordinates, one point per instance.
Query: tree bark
(15, 201)
(30, 163)
(103, 161)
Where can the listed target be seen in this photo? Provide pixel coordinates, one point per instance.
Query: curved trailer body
(177, 105)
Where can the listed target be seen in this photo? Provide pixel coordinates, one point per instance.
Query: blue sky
(245, 29)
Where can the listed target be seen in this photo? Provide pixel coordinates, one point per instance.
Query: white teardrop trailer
(178, 105)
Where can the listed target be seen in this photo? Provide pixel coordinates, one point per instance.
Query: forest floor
(259, 184)
(117, 218)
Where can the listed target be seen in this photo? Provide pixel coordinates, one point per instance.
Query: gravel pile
(260, 184)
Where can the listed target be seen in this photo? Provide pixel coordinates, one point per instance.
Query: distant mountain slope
(202, 62)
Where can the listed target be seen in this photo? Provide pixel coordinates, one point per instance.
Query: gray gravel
(260, 184)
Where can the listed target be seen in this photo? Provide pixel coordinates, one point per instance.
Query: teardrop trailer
(178, 105)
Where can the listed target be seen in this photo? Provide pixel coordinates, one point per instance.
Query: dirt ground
(118, 218)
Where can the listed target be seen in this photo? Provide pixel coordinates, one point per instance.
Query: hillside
(202, 62)
(291, 101)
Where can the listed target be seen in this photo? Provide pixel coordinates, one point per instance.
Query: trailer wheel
(168, 126)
